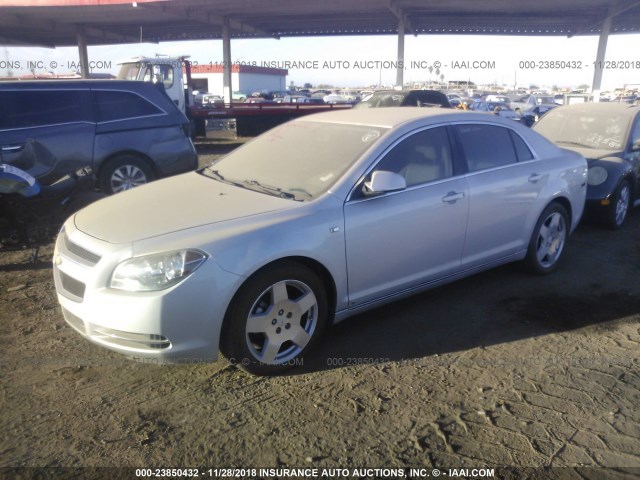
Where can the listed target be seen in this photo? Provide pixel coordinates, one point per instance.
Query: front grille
(85, 256)
(72, 286)
(130, 340)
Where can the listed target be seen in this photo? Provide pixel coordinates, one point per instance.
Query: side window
(37, 108)
(421, 158)
(486, 146)
(522, 151)
(164, 73)
(116, 105)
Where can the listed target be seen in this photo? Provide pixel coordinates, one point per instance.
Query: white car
(312, 222)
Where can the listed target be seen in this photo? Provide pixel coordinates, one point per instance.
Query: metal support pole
(400, 68)
(82, 50)
(602, 49)
(226, 60)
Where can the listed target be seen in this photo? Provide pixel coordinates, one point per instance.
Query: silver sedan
(310, 223)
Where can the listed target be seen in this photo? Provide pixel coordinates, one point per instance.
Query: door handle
(534, 177)
(12, 148)
(453, 197)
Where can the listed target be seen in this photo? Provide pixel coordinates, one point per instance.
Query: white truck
(173, 72)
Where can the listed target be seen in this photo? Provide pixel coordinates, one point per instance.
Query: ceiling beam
(401, 15)
(613, 12)
(205, 17)
(54, 27)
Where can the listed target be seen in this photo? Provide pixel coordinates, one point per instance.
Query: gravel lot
(501, 369)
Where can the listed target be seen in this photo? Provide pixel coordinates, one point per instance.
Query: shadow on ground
(588, 293)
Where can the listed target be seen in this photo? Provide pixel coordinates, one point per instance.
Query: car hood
(590, 153)
(166, 206)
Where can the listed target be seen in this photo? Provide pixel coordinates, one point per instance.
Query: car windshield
(130, 71)
(603, 131)
(387, 99)
(545, 100)
(299, 160)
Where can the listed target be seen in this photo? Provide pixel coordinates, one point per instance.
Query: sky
(371, 60)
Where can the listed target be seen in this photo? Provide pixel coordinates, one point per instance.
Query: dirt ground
(501, 369)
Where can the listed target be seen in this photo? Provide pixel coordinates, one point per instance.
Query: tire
(617, 211)
(269, 329)
(548, 240)
(123, 173)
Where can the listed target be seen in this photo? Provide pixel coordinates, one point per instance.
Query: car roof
(603, 108)
(392, 116)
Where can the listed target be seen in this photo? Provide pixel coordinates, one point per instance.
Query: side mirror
(635, 147)
(383, 181)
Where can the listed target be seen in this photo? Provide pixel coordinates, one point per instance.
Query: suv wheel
(124, 173)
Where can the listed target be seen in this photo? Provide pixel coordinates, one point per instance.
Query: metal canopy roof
(57, 22)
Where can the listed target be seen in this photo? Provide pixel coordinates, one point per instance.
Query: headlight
(157, 271)
(597, 176)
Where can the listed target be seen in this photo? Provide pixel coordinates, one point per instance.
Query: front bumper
(180, 324)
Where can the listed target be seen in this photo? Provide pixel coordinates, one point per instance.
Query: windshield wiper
(249, 184)
(215, 174)
(268, 189)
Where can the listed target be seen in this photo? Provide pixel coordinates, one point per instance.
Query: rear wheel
(124, 173)
(275, 319)
(548, 239)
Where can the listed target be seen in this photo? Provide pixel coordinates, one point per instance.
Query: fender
(616, 169)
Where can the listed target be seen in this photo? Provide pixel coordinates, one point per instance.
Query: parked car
(128, 132)
(532, 107)
(337, 99)
(382, 204)
(239, 96)
(302, 99)
(211, 99)
(608, 135)
(497, 108)
(405, 98)
(498, 98)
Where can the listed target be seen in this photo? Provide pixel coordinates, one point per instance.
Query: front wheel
(548, 239)
(124, 173)
(619, 207)
(274, 319)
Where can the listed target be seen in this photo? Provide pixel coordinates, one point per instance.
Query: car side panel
(404, 239)
(51, 151)
(169, 149)
(502, 206)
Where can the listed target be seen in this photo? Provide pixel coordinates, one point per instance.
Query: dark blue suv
(128, 132)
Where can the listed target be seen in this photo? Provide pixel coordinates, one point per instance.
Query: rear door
(505, 182)
(47, 132)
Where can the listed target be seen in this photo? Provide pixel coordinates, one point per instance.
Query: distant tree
(584, 86)
(307, 85)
